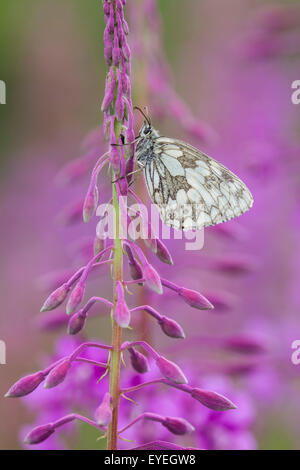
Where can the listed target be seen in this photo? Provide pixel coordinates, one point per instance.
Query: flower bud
(90, 203)
(107, 46)
(75, 298)
(122, 314)
(152, 278)
(111, 20)
(120, 290)
(39, 434)
(103, 413)
(138, 361)
(109, 91)
(106, 7)
(195, 299)
(212, 400)
(130, 168)
(171, 371)
(119, 6)
(115, 158)
(106, 125)
(126, 50)
(58, 374)
(135, 271)
(25, 385)
(123, 186)
(134, 268)
(178, 426)
(171, 328)
(130, 136)
(125, 25)
(120, 29)
(56, 298)
(119, 106)
(125, 84)
(116, 53)
(163, 253)
(76, 323)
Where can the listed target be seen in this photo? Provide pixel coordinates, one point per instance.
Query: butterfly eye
(147, 130)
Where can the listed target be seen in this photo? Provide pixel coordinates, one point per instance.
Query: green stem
(114, 383)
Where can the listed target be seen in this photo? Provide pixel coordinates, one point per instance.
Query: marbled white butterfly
(190, 189)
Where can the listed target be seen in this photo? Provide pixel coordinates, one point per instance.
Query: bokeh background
(233, 64)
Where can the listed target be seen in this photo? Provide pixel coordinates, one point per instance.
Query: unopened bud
(76, 323)
(119, 105)
(56, 298)
(178, 426)
(123, 186)
(90, 204)
(171, 328)
(212, 400)
(195, 299)
(138, 361)
(171, 371)
(115, 158)
(103, 413)
(122, 314)
(25, 385)
(152, 278)
(57, 374)
(109, 91)
(75, 298)
(39, 434)
(116, 53)
(163, 253)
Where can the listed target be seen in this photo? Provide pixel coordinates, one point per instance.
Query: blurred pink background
(233, 64)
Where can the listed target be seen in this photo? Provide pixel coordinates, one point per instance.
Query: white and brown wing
(192, 190)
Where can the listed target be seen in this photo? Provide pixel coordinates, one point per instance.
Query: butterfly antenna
(143, 114)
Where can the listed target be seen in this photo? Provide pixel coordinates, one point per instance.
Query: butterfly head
(147, 131)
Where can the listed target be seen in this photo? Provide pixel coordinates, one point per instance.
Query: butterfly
(190, 189)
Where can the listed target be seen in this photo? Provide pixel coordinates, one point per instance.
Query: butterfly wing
(192, 190)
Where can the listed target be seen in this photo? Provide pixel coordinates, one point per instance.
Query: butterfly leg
(128, 174)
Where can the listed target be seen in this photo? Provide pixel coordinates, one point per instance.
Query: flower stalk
(114, 382)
